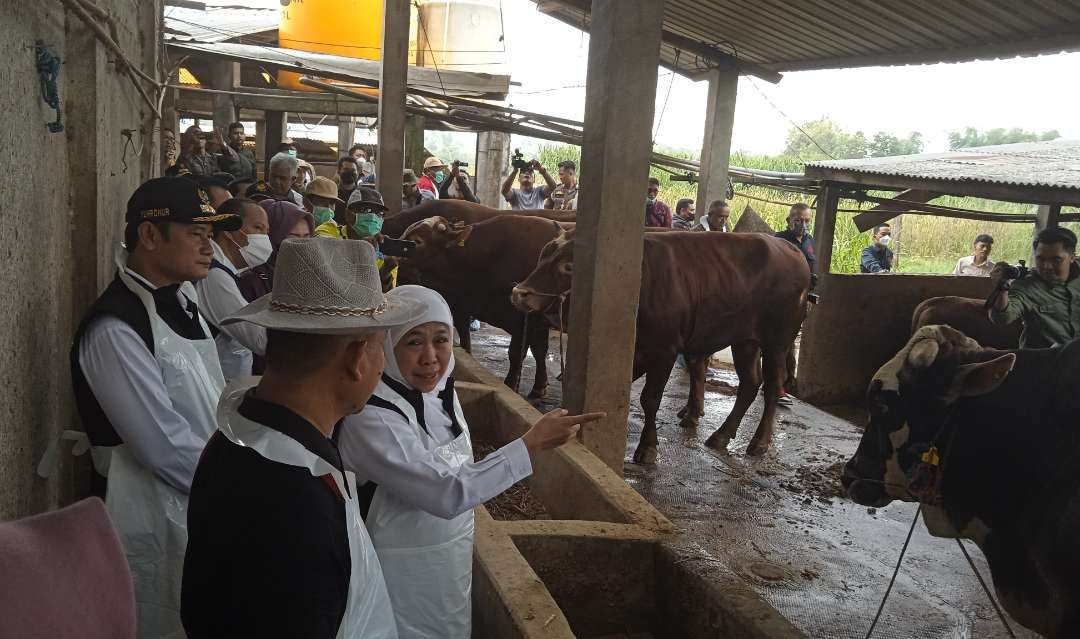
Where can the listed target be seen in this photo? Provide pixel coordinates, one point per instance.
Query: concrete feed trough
(607, 564)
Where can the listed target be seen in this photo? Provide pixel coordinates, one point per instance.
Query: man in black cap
(216, 186)
(259, 191)
(147, 380)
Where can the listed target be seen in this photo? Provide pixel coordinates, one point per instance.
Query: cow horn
(923, 353)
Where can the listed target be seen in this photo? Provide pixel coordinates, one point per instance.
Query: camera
(1017, 272)
(689, 177)
(517, 160)
(460, 163)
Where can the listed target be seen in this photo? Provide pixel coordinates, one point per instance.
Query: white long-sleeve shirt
(220, 297)
(128, 385)
(380, 445)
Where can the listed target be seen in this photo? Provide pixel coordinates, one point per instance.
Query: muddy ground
(781, 522)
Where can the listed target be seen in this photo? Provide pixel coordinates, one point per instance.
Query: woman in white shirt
(411, 446)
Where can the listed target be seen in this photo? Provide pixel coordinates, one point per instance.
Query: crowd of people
(333, 495)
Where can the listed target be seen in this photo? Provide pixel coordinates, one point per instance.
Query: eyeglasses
(367, 209)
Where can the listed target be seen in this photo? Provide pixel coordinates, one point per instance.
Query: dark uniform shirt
(268, 549)
(875, 260)
(242, 168)
(1051, 312)
(199, 163)
(806, 245)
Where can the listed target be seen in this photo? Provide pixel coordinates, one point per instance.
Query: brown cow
(967, 315)
(461, 211)
(475, 266)
(746, 291)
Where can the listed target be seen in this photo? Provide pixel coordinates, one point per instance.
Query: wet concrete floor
(822, 561)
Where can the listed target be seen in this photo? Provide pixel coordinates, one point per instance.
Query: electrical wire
(792, 122)
(427, 39)
(663, 109)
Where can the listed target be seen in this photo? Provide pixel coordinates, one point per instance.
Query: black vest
(119, 302)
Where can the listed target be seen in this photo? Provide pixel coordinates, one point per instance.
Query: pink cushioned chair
(63, 575)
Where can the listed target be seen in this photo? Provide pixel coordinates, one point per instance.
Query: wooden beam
(986, 190)
(888, 210)
(825, 227)
(619, 107)
(393, 88)
(200, 99)
(918, 208)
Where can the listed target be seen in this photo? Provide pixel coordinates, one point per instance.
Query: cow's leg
(461, 325)
(696, 366)
(790, 383)
(656, 378)
(747, 358)
(538, 344)
(516, 353)
(774, 359)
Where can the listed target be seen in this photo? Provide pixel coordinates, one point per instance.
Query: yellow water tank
(350, 28)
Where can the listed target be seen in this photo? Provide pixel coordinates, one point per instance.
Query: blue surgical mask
(292, 153)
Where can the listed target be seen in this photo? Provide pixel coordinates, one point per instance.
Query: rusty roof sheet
(1054, 164)
(792, 35)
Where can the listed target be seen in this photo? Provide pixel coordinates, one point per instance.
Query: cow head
(550, 280)
(911, 400)
(436, 234)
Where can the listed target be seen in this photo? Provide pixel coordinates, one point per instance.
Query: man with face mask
(1047, 299)
(657, 214)
(219, 293)
(798, 232)
(433, 176)
(877, 258)
(321, 200)
(363, 221)
(348, 179)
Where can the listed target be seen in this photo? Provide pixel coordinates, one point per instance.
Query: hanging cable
(427, 40)
(792, 122)
(663, 109)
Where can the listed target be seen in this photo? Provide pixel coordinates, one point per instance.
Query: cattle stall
(864, 319)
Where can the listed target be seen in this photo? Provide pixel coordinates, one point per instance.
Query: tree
(820, 139)
(973, 137)
(886, 144)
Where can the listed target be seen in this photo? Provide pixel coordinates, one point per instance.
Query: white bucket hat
(327, 286)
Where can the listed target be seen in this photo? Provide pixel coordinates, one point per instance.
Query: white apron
(149, 514)
(427, 560)
(368, 614)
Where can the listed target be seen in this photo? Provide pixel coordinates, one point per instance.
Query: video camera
(518, 161)
(1016, 272)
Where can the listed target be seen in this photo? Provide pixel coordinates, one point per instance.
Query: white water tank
(464, 35)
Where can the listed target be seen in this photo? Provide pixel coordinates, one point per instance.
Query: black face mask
(349, 177)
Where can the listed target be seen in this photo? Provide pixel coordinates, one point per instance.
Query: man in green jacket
(1047, 300)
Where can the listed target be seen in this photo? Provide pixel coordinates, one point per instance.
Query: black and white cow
(1006, 425)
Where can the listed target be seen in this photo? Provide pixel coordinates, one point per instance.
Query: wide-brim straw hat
(326, 286)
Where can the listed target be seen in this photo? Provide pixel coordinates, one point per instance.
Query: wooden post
(224, 76)
(276, 127)
(414, 143)
(716, 145)
(393, 85)
(346, 133)
(492, 155)
(825, 227)
(624, 51)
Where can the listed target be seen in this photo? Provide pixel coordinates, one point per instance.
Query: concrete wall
(62, 207)
(861, 322)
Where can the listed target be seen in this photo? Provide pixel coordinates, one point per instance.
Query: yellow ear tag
(931, 456)
(461, 243)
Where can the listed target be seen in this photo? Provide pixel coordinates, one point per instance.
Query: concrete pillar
(817, 335)
(393, 86)
(277, 124)
(224, 76)
(825, 228)
(716, 145)
(624, 51)
(414, 143)
(492, 157)
(346, 133)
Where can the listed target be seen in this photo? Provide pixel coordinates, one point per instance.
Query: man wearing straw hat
(276, 543)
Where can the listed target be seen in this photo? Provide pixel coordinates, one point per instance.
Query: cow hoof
(716, 441)
(688, 422)
(645, 455)
(756, 448)
(538, 393)
(682, 413)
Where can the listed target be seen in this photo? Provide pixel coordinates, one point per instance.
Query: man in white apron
(277, 544)
(147, 381)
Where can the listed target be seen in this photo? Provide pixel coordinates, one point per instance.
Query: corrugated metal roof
(366, 72)
(790, 35)
(1051, 165)
(218, 25)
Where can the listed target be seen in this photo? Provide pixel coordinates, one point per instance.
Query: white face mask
(257, 251)
(885, 240)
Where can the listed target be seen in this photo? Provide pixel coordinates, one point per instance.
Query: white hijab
(437, 310)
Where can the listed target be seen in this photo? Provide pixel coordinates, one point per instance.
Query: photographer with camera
(527, 196)
(456, 187)
(1047, 297)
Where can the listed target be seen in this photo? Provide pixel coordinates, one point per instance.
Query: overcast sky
(548, 59)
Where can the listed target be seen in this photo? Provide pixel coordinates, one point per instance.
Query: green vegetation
(972, 137)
